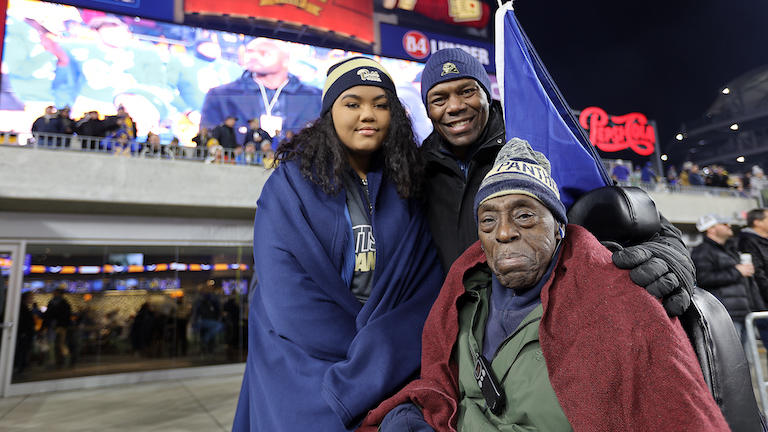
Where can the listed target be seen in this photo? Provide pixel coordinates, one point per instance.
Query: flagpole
(501, 12)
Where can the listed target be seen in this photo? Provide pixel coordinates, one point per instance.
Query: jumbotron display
(171, 79)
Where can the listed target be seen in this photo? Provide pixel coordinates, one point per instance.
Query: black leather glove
(661, 265)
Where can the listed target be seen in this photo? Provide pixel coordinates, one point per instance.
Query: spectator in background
(620, 172)
(201, 140)
(57, 319)
(66, 124)
(753, 240)
(46, 124)
(647, 175)
(257, 135)
(249, 155)
(225, 133)
(758, 182)
(174, 150)
(25, 334)
(206, 316)
(266, 90)
(672, 179)
(152, 147)
(215, 154)
(90, 126)
(694, 176)
(122, 120)
(719, 271)
(122, 145)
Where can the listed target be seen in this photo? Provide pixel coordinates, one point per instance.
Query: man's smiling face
(459, 110)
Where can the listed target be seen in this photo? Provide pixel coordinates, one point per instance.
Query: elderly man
(524, 337)
(468, 133)
(266, 91)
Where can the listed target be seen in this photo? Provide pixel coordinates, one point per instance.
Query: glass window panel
(133, 308)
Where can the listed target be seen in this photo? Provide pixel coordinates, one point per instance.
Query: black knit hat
(352, 72)
(450, 64)
(519, 169)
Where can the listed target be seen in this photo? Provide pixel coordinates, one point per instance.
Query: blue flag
(535, 111)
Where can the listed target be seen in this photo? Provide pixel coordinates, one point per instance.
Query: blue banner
(411, 44)
(535, 110)
(154, 9)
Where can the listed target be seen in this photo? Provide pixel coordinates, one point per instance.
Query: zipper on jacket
(364, 182)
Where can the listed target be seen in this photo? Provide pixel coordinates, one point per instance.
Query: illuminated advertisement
(412, 44)
(353, 18)
(616, 135)
(170, 79)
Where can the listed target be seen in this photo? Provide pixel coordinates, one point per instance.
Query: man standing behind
(718, 270)
(265, 91)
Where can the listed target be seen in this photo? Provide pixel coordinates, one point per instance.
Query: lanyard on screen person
(271, 104)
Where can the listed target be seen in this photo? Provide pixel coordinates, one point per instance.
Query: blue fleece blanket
(317, 358)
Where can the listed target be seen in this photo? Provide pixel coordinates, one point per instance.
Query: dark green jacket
(518, 365)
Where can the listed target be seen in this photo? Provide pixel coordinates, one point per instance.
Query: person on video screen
(265, 90)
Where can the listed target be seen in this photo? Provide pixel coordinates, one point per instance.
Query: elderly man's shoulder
(607, 291)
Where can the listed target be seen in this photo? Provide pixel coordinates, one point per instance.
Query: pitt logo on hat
(449, 68)
(369, 75)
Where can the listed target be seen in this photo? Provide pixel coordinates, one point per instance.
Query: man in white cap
(719, 271)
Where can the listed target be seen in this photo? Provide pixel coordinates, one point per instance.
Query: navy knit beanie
(352, 72)
(519, 169)
(450, 64)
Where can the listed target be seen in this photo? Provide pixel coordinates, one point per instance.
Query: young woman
(346, 269)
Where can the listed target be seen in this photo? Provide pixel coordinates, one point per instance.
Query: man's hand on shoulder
(663, 266)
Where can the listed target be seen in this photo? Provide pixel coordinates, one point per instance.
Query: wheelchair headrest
(625, 215)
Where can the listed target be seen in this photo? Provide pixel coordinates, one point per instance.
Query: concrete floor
(190, 405)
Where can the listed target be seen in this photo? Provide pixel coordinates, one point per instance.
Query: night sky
(665, 59)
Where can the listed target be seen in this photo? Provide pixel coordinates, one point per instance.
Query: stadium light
(726, 90)
(740, 159)
(735, 126)
(664, 157)
(679, 137)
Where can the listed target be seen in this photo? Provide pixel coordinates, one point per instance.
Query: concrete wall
(686, 208)
(72, 181)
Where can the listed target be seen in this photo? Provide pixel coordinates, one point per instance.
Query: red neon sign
(616, 133)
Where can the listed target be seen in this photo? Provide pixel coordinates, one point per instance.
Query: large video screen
(170, 79)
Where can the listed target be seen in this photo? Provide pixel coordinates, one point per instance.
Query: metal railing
(691, 190)
(132, 148)
(754, 356)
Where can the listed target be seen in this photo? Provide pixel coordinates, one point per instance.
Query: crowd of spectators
(749, 183)
(117, 134)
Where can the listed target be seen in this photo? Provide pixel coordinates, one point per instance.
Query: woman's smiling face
(361, 118)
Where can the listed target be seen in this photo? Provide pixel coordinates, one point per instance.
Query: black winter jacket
(716, 273)
(450, 195)
(752, 243)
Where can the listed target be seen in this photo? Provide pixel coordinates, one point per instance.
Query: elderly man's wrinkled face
(519, 236)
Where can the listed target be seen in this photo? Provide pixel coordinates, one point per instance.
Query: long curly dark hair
(323, 158)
